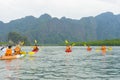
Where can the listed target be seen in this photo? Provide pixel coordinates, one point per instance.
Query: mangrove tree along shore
(113, 42)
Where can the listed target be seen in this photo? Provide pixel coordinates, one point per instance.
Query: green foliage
(113, 42)
(48, 30)
(3, 43)
(16, 38)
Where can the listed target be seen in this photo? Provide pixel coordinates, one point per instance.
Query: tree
(16, 38)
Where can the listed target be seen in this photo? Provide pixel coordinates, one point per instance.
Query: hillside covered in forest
(52, 30)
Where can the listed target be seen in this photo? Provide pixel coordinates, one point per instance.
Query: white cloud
(13, 9)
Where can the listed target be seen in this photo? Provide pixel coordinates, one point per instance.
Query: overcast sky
(75, 9)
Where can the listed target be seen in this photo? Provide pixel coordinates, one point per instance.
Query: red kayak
(35, 50)
(89, 49)
(68, 50)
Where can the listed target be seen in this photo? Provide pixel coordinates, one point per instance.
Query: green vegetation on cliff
(113, 42)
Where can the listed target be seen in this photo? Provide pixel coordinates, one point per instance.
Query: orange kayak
(11, 57)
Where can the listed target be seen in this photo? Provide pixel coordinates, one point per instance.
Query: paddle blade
(35, 41)
(22, 43)
(85, 45)
(73, 44)
(66, 41)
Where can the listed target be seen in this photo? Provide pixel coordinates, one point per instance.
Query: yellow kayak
(29, 53)
(110, 48)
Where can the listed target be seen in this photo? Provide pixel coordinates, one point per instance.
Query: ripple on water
(52, 63)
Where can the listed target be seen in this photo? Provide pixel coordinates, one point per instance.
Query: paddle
(35, 41)
(69, 46)
(67, 42)
(73, 44)
(22, 43)
(35, 48)
(31, 53)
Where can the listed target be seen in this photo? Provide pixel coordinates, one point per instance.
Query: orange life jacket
(103, 48)
(17, 50)
(8, 52)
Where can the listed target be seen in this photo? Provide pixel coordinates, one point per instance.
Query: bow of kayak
(11, 57)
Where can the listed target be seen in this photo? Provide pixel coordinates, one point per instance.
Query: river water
(52, 63)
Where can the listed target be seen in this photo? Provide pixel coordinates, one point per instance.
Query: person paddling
(89, 48)
(68, 49)
(103, 48)
(8, 51)
(35, 48)
(17, 50)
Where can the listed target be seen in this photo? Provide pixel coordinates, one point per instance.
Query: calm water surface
(52, 63)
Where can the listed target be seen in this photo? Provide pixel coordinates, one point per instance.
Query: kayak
(11, 57)
(110, 48)
(68, 50)
(89, 49)
(35, 50)
(31, 53)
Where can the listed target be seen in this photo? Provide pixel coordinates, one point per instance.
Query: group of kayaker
(17, 50)
(8, 51)
(103, 49)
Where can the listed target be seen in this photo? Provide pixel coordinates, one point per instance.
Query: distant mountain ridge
(51, 30)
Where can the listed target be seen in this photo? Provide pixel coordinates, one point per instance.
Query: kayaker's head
(9, 46)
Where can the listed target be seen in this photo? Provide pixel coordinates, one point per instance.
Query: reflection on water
(52, 63)
(103, 52)
(12, 68)
(8, 68)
